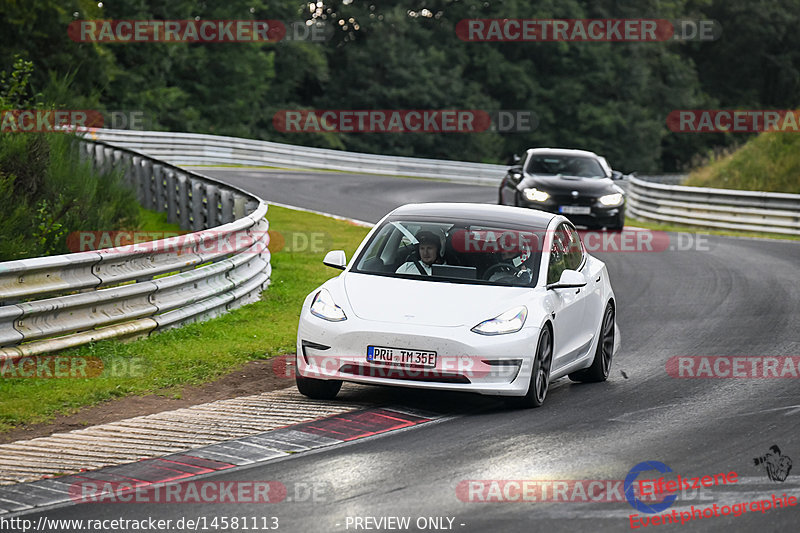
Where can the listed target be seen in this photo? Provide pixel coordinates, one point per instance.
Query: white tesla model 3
(491, 299)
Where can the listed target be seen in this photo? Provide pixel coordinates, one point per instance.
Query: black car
(574, 183)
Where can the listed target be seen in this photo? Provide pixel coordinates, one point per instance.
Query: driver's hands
(524, 274)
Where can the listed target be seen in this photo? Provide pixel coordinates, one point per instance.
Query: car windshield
(568, 165)
(457, 251)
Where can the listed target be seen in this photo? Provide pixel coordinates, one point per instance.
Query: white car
(496, 300)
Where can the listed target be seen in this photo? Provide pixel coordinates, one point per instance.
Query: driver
(429, 248)
(514, 265)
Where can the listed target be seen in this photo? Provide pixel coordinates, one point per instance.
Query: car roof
(482, 213)
(561, 151)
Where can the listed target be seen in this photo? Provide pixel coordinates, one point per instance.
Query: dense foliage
(609, 97)
(46, 190)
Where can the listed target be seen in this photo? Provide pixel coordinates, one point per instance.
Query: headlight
(535, 195)
(611, 199)
(324, 307)
(509, 322)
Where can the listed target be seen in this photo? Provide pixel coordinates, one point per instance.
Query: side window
(558, 255)
(575, 251)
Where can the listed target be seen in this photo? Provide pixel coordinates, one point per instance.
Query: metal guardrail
(200, 149)
(766, 212)
(57, 302)
(654, 198)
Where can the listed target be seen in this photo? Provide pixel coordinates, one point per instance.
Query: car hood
(566, 184)
(432, 303)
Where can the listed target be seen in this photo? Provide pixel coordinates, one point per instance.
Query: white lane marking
(331, 215)
(791, 410)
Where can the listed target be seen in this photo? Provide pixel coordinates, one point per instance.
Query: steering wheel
(499, 267)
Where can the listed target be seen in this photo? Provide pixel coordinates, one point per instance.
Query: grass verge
(768, 162)
(197, 353)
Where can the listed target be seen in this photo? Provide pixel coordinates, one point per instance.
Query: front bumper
(598, 215)
(466, 361)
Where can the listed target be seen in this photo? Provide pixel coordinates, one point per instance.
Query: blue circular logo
(635, 502)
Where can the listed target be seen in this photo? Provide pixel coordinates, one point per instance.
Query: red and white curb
(159, 434)
(254, 448)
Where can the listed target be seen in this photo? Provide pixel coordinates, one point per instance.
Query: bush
(47, 190)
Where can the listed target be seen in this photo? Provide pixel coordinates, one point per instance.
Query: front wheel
(318, 389)
(602, 356)
(619, 224)
(540, 376)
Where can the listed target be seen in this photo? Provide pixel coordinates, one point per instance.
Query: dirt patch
(255, 377)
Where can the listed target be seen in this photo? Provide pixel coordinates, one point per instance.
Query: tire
(540, 375)
(318, 389)
(517, 200)
(601, 364)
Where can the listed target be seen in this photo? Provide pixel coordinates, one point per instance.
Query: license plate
(575, 209)
(401, 356)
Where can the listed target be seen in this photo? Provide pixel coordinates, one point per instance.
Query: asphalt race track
(715, 296)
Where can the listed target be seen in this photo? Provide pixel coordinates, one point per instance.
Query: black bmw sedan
(574, 183)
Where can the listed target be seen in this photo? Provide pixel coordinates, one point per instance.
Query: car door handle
(598, 278)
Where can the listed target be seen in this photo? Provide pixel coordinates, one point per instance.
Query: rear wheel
(602, 356)
(318, 389)
(540, 376)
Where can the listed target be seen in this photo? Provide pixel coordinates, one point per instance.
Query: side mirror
(570, 279)
(616, 175)
(515, 172)
(335, 259)
(514, 160)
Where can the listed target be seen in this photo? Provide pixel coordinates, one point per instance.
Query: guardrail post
(184, 201)
(108, 159)
(159, 189)
(147, 184)
(198, 219)
(226, 199)
(172, 196)
(251, 205)
(84, 150)
(239, 206)
(212, 206)
(138, 178)
(129, 173)
(99, 156)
